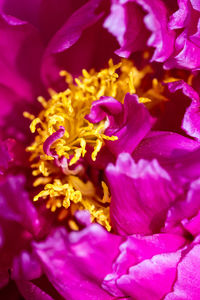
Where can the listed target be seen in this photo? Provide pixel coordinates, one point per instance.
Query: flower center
(64, 135)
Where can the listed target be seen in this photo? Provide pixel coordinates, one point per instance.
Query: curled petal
(51, 139)
(105, 107)
(129, 122)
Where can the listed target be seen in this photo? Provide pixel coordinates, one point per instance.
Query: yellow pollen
(64, 187)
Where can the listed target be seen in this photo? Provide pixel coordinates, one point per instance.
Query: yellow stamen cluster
(68, 109)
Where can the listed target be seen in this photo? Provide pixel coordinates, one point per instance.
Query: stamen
(63, 136)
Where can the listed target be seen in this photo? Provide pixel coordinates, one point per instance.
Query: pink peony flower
(113, 165)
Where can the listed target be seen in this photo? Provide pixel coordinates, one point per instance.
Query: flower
(111, 158)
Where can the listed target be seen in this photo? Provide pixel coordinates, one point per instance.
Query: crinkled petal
(152, 278)
(188, 54)
(186, 48)
(141, 195)
(187, 285)
(136, 249)
(162, 39)
(79, 259)
(178, 19)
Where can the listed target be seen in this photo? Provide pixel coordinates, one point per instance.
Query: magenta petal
(83, 217)
(6, 154)
(195, 38)
(18, 219)
(20, 54)
(15, 204)
(178, 19)
(22, 76)
(187, 285)
(136, 249)
(164, 146)
(129, 31)
(71, 31)
(21, 10)
(129, 122)
(186, 208)
(188, 57)
(191, 120)
(187, 168)
(71, 260)
(187, 44)
(26, 267)
(51, 139)
(186, 89)
(31, 291)
(195, 4)
(141, 195)
(192, 225)
(152, 278)
(105, 107)
(135, 125)
(162, 39)
(40, 13)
